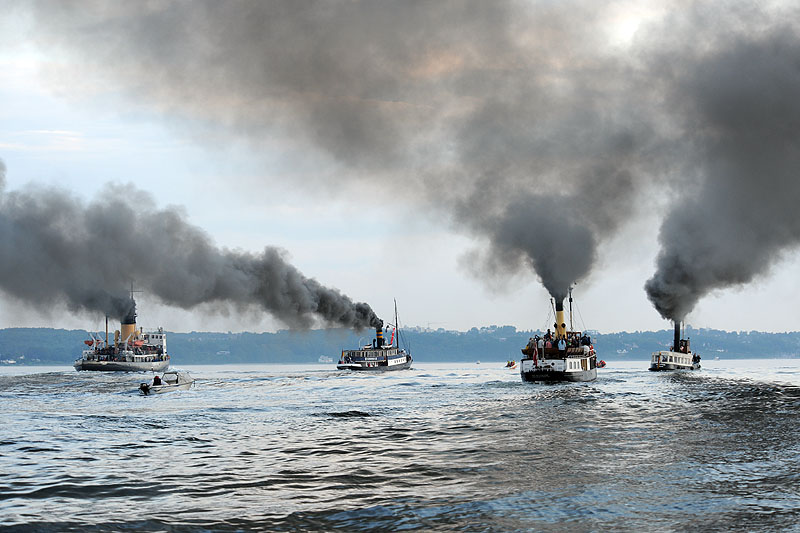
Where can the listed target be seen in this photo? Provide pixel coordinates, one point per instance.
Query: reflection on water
(442, 446)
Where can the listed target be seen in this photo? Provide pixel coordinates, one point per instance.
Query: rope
(580, 317)
(547, 321)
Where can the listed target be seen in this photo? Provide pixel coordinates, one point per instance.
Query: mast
(571, 328)
(396, 326)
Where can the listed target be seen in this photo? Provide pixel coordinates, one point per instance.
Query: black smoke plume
(523, 121)
(472, 105)
(743, 118)
(55, 249)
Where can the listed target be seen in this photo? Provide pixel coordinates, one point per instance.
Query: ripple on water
(436, 448)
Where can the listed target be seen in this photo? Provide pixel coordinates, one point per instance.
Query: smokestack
(128, 326)
(379, 336)
(561, 326)
(677, 340)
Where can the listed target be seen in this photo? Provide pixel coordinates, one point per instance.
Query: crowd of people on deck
(562, 343)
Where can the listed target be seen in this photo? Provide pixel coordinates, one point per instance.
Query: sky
(392, 155)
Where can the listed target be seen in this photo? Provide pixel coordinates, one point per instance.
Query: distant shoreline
(47, 347)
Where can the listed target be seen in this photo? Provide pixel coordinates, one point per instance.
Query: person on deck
(562, 346)
(156, 380)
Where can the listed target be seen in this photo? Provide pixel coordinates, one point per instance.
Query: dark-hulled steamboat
(562, 355)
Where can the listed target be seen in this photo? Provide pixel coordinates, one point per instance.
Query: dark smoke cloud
(743, 118)
(56, 249)
(503, 114)
(517, 119)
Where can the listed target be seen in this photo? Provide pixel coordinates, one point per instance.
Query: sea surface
(465, 447)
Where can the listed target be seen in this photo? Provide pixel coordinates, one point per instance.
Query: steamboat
(378, 356)
(678, 357)
(565, 355)
(133, 350)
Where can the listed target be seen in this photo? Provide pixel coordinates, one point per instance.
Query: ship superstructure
(133, 349)
(678, 357)
(561, 355)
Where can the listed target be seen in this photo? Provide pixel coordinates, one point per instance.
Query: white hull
(666, 360)
(377, 367)
(171, 381)
(122, 366)
(161, 389)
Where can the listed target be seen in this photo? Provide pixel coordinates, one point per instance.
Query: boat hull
(663, 367)
(665, 361)
(552, 370)
(387, 368)
(161, 389)
(554, 376)
(121, 366)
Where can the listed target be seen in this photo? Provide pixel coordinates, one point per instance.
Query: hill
(492, 343)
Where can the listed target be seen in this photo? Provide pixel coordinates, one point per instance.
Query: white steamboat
(133, 350)
(678, 357)
(378, 357)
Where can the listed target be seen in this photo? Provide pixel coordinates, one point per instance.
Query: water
(438, 447)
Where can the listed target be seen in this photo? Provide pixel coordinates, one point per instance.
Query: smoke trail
(743, 116)
(54, 248)
(469, 103)
(520, 120)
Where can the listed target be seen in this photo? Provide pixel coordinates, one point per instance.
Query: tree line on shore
(492, 343)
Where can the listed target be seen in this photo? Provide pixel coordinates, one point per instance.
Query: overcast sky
(381, 208)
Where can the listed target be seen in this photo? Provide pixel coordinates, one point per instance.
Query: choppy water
(438, 447)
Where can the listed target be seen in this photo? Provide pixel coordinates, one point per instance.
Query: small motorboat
(171, 380)
(601, 364)
(511, 364)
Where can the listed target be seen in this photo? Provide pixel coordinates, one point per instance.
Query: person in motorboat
(171, 380)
